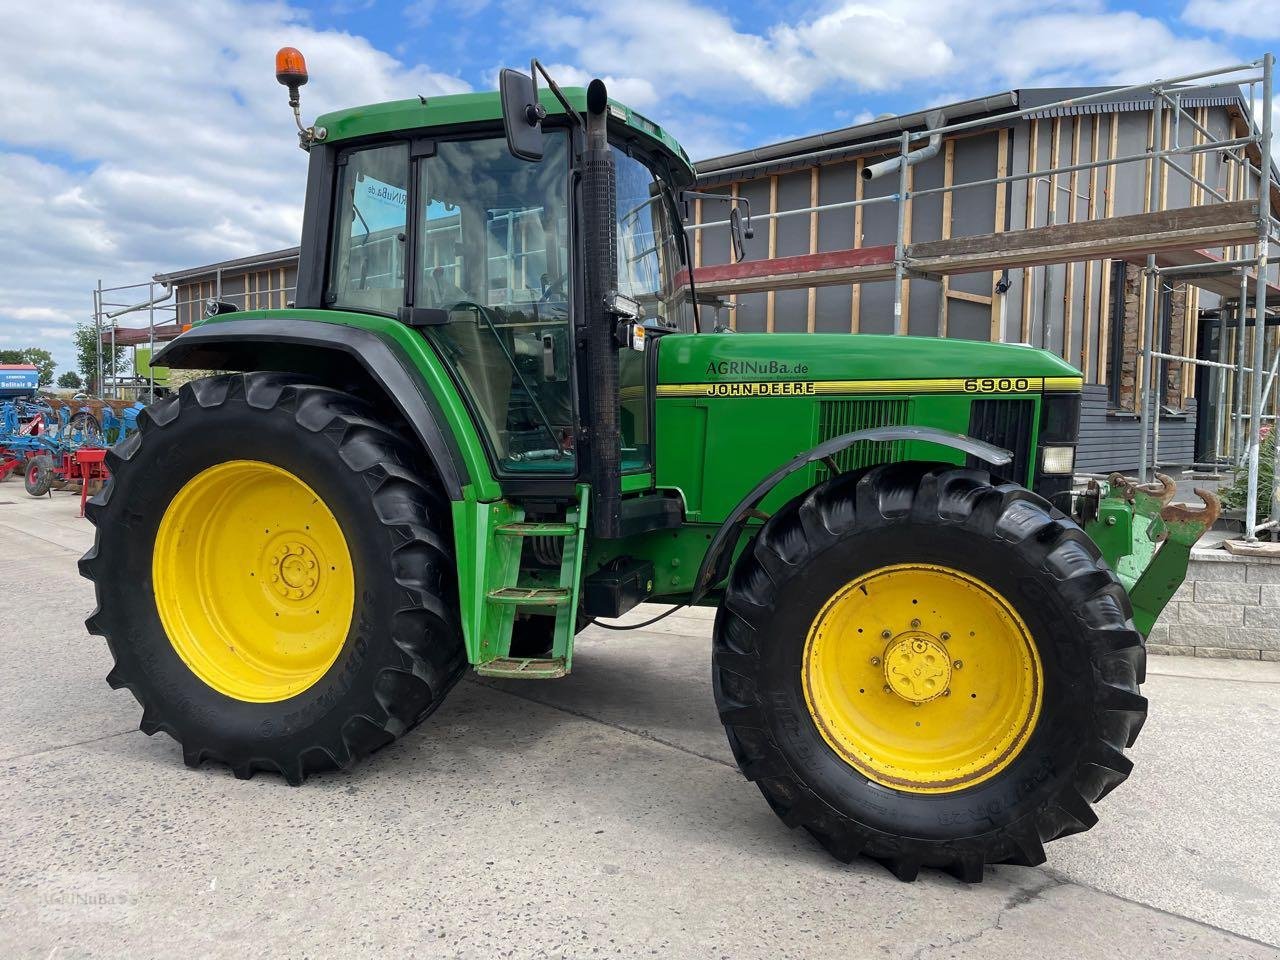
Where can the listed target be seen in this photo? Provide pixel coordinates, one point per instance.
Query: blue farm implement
(51, 444)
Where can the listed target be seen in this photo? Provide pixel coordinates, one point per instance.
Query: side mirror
(522, 114)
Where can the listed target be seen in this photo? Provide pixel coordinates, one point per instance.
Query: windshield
(493, 250)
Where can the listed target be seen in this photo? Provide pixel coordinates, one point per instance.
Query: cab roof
(460, 108)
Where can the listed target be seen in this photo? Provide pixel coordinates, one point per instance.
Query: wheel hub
(917, 667)
(292, 570)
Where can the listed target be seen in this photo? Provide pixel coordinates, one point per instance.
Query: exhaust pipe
(601, 432)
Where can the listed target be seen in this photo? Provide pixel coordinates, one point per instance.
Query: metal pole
(151, 336)
(97, 330)
(1220, 383)
(899, 244)
(1259, 301)
(1151, 285)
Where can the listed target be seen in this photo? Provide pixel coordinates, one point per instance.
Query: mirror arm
(535, 68)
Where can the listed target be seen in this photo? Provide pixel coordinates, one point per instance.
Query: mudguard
(262, 343)
(719, 555)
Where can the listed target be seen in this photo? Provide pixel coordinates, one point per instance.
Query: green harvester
(493, 417)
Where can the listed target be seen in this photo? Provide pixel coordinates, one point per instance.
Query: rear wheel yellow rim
(923, 678)
(253, 581)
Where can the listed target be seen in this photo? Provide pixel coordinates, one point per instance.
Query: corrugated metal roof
(848, 142)
(258, 261)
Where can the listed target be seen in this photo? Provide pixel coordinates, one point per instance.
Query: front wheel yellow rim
(253, 581)
(923, 678)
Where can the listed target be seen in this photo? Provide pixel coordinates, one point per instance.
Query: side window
(649, 267)
(367, 261)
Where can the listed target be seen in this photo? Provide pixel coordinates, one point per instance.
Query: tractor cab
(438, 223)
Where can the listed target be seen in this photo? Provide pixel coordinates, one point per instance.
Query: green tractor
(493, 416)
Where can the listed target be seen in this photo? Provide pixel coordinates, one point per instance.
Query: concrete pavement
(594, 816)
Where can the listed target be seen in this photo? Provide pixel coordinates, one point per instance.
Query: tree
(87, 347)
(70, 381)
(42, 360)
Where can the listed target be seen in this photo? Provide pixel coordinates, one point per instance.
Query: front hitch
(1146, 537)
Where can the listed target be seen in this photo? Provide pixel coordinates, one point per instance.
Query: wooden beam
(855, 305)
(733, 299)
(1104, 287)
(1033, 150)
(969, 297)
(1178, 229)
(811, 319)
(697, 234)
(770, 302)
(904, 322)
(1069, 271)
(1184, 228)
(1002, 200)
(1091, 213)
(948, 178)
(860, 265)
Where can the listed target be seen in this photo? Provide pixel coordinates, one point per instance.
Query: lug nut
(888, 689)
(959, 664)
(946, 636)
(875, 661)
(915, 624)
(886, 634)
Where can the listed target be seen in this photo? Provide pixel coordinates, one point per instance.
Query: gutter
(837, 144)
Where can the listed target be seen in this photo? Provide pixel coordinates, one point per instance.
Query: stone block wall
(1228, 607)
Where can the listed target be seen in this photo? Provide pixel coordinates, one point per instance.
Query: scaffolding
(1171, 244)
(165, 306)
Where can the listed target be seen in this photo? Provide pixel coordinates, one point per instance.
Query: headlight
(1058, 459)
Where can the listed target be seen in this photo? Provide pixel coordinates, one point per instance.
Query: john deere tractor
(493, 416)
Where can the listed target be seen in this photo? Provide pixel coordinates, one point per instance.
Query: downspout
(934, 120)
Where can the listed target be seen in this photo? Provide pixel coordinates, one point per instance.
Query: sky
(139, 137)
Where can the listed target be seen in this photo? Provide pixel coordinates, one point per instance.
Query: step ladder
(504, 597)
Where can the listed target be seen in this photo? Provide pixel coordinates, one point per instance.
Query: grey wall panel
(922, 318)
(791, 311)
(834, 310)
(876, 310)
(715, 240)
(1111, 443)
(968, 321)
(836, 184)
(793, 232)
(749, 316)
(757, 193)
(879, 220)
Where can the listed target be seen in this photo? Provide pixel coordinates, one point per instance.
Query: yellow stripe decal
(810, 388)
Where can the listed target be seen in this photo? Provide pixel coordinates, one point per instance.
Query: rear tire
(1007, 540)
(402, 650)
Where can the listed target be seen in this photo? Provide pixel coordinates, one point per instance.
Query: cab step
(517, 668)
(534, 528)
(531, 596)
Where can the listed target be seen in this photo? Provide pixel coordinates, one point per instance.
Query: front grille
(838, 417)
(1009, 424)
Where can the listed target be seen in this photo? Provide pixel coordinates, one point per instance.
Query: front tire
(922, 666)
(274, 576)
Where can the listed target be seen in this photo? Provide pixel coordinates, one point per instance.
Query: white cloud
(143, 136)
(1246, 18)
(862, 46)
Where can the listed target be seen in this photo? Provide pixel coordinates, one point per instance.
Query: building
(814, 206)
